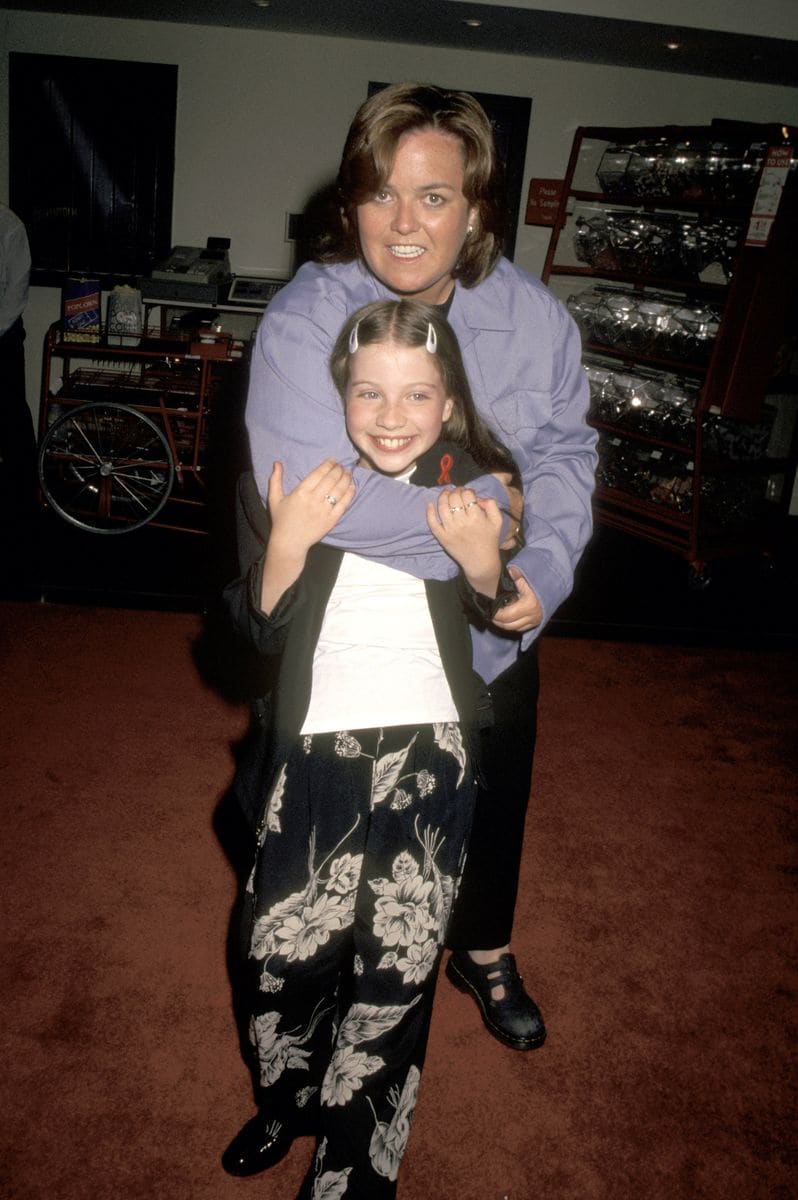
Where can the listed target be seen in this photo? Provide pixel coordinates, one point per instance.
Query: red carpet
(655, 929)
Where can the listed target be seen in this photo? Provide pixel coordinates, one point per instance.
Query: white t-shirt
(377, 661)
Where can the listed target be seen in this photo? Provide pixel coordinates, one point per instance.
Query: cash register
(191, 275)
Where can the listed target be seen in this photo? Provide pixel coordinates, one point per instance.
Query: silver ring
(471, 503)
(330, 499)
(455, 508)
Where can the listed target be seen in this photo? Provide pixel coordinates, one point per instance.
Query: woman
(420, 218)
(368, 795)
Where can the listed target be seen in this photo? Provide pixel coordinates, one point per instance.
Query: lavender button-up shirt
(522, 355)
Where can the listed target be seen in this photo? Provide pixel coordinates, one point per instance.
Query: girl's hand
(315, 506)
(300, 519)
(469, 530)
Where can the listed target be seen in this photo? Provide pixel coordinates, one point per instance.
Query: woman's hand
(469, 530)
(522, 614)
(300, 519)
(515, 509)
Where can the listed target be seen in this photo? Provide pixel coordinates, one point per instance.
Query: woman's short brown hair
(368, 157)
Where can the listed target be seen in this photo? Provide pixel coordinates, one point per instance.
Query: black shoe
(515, 1019)
(261, 1144)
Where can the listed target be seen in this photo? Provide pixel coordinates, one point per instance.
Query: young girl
(371, 764)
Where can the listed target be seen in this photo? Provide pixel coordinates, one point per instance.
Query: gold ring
(331, 500)
(471, 503)
(455, 508)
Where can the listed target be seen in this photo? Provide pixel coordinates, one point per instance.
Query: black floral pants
(363, 842)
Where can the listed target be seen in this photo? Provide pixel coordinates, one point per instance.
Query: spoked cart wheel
(106, 468)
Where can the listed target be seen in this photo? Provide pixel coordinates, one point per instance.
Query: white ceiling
(712, 37)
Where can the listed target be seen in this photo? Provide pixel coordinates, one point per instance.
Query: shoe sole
(464, 985)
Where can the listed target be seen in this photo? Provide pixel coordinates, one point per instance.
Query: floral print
(450, 738)
(275, 804)
(344, 873)
(403, 912)
(387, 773)
(328, 1185)
(389, 1139)
(277, 1053)
(300, 926)
(346, 746)
(425, 783)
(297, 926)
(345, 1074)
(363, 842)
(418, 962)
(304, 1095)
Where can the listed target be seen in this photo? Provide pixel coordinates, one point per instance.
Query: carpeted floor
(655, 928)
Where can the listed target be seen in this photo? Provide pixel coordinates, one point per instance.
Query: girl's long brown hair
(407, 323)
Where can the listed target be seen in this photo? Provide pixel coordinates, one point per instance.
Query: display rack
(675, 250)
(125, 430)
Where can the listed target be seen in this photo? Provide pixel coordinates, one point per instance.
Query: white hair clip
(432, 338)
(353, 338)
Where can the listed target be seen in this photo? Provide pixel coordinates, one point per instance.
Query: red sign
(544, 201)
(768, 195)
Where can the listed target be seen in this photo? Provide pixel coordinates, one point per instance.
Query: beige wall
(262, 117)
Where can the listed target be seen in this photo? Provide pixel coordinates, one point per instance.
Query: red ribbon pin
(447, 462)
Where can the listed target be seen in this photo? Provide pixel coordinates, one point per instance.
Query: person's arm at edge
(558, 487)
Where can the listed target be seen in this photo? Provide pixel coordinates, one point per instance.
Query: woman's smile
(407, 251)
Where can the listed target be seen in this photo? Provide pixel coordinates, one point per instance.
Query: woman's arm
(555, 450)
(295, 415)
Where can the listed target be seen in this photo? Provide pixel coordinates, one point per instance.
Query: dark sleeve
(241, 597)
(253, 524)
(480, 609)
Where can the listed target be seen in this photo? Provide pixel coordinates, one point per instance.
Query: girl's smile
(396, 405)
